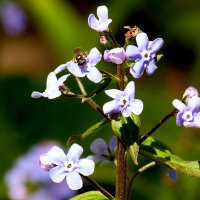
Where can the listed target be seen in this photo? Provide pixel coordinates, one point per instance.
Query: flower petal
(36, 94)
(133, 53)
(94, 75)
(142, 41)
(60, 68)
(130, 89)
(99, 146)
(102, 13)
(138, 69)
(113, 144)
(62, 79)
(93, 22)
(51, 80)
(151, 67)
(126, 112)
(74, 181)
(194, 103)
(85, 166)
(178, 104)
(94, 57)
(136, 106)
(114, 93)
(74, 152)
(57, 174)
(111, 107)
(75, 69)
(155, 45)
(56, 155)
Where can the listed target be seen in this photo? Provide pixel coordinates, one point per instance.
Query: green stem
(171, 114)
(142, 169)
(98, 187)
(89, 100)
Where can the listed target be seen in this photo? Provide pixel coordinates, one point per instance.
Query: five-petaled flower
(53, 87)
(116, 55)
(103, 22)
(143, 55)
(188, 114)
(104, 152)
(123, 102)
(68, 166)
(88, 68)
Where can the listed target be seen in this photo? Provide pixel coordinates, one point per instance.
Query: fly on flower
(80, 57)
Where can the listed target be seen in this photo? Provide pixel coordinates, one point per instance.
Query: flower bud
(45, 164)
(116, 55)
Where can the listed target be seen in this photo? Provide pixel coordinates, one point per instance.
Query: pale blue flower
(116, 55)
(143, 54)
(69, 166)
(123, 102)
(188, 114)
(103, 22)
(87, 69)
(172, 174)
(104, 152)
(53, 86)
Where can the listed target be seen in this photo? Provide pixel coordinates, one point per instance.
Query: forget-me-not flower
(116, 55)
(188, 114)
(143, 54)
(53, 86)
(103, 22)
(86, 68)
(104, 152)
(69, 166)
(123, 102)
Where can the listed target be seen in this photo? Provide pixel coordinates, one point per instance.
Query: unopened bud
(189, 93)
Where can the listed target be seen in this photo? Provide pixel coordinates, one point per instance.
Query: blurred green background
(53, 29)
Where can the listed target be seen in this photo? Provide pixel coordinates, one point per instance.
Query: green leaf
(127, 129)
(93, 129)
(161, 153)
(92, 195)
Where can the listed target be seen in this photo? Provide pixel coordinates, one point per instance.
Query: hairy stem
(171, 114)
(121, 170)
(98, 187)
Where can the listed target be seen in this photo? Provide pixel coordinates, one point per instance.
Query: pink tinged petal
(85, 167)
(94, 75)
(36, 94)
(111, 107)
(155, 45)
(57, 174)
(130, 89)
(114, 93)
(74, 152)
(94, 57)
(75, 69)
(151, 67)
(45, 164)
(60, 68)
(133, 53)
(74, 181)
(102, 13)
(138, 69)
(56, 155)
(178, 104)
(99, 146)
(136, 106)
(190, 91)
(142, 41)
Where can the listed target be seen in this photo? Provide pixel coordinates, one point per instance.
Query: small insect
(80, 57)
